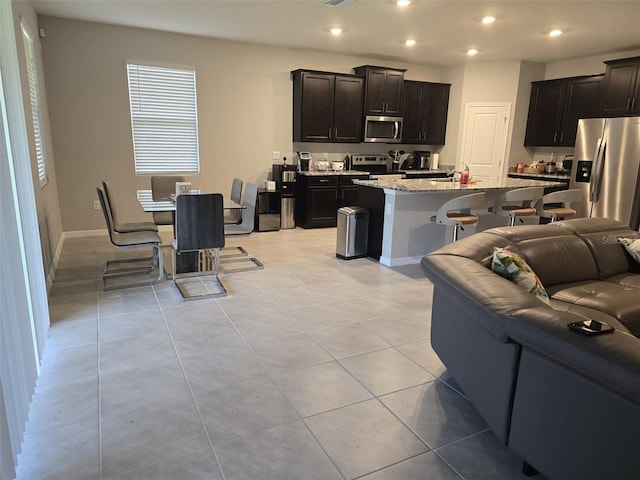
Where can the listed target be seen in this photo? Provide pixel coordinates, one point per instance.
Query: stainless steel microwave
(382, 129)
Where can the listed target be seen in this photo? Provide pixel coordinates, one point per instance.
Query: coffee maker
(422, 160)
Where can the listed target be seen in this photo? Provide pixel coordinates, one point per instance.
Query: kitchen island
(400, 211)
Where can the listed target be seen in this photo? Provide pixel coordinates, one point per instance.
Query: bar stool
(457, 212)
(547, 205)
(517, 203)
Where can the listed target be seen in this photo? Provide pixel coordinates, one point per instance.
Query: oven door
(382, 129)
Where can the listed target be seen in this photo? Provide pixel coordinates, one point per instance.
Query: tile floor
(314, 368)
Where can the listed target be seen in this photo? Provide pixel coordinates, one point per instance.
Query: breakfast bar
(400, 211)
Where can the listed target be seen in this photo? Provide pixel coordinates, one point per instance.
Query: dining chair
(124, 227)
(233, 217)
(557, 205)
(245, 227)
(517, 203)
(457, 212)
(161, 187)
(247, 223)
(130, 240)
(199, 230)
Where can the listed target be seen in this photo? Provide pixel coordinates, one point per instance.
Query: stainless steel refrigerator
(607, 167)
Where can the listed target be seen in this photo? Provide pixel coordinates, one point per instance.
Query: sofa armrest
(469, 282)
(612, 359)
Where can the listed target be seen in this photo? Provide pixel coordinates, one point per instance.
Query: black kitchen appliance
(422, 159)
(285, 177)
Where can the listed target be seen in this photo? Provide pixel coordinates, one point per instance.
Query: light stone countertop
(422, 185)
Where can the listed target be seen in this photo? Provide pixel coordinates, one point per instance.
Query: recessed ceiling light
(472, 51)
(336, 31)
(410, 42)
(488, 19)
(403, 3)
(555, 33)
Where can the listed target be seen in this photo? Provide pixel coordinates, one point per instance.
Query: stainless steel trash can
(353, 227)
(286, 212)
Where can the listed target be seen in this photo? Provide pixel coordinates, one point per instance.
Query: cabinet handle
(324, 180)
(628, 103)
(633, 104)
(329, 134)
(555, 136)
(562, 137)
(335, 133)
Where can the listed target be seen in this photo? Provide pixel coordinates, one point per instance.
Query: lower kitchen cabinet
(318, 198)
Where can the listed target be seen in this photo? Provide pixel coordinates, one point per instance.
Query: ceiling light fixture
(488, 19)
(472, 51)
(403, 3)
(555, 33)
(336, 31)
(410, 42)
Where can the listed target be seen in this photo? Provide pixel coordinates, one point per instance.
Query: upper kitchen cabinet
(556, 106)
(327, 107)
(425, 112)
(621, 89)
(383, 89)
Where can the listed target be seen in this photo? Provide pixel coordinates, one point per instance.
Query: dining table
(168, 204)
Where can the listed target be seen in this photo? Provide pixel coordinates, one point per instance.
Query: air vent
(337, 3)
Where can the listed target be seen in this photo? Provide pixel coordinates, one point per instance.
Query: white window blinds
(34, 97)
(164, 120)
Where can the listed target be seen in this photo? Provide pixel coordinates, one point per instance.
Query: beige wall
(46, 196)
(244, 107)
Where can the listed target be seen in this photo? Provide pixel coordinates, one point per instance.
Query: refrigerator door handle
(596, 175)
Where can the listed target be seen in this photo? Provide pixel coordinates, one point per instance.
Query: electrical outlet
(96, 205)
(276, 155)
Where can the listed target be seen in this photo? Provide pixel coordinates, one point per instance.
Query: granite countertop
(422, 185)
(550, 176)
(320, 173)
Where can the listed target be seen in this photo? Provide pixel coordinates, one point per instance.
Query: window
(34, 97)
(164, 120)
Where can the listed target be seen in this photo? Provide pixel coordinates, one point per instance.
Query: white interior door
(484, 139)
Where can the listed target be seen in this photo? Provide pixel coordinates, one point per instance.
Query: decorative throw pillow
(633, 247)
(512, 267)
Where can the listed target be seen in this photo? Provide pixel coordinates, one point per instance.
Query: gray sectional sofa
(568, 404)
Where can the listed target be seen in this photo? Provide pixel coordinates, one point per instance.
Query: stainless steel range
(369, 163)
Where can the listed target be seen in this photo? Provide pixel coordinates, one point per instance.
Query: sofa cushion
(608, 253)
(616, 300)
(560, 259)
(627, 279)
(512, 267)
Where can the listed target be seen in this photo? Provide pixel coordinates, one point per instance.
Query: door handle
(596, 173)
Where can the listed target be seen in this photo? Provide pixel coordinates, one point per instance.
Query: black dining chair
(199, 237)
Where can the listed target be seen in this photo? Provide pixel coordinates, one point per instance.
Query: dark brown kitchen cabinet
(621, 88)
(555, 107)
(425, 112)
(327, 107)
(383, 89)
(318, 198)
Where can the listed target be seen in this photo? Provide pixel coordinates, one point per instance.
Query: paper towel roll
(435, 159)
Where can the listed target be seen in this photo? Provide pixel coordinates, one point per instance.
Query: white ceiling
(444, 30)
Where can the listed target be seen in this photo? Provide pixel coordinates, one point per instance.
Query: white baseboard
(399, 262)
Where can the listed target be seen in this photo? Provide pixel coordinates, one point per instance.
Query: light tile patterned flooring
(314, 368)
